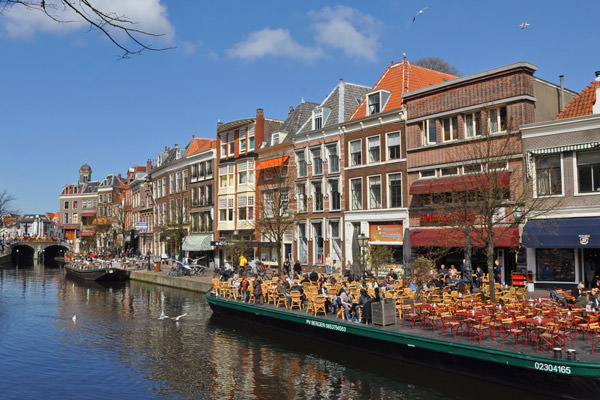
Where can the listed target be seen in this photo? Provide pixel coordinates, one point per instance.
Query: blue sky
(67, 98)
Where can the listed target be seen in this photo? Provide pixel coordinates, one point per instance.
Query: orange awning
(275, 162)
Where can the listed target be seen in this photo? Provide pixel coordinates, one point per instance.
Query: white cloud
(146, 15)
(345, 28)
(273, 42)
(190, 48)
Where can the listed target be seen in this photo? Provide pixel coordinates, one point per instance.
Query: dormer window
(319, 116)
(376, 101)
(275, 139)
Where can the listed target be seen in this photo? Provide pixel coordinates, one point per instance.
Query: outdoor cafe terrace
(541, 327)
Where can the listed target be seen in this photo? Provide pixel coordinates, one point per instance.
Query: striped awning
(560, 149)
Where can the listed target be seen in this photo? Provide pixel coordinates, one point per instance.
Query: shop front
(562, 252)
(198, 246)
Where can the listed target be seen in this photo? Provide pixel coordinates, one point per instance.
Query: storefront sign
(385, 232)
(447, 218)
(141, 226)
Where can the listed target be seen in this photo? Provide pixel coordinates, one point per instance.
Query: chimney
(166, 149)
(259, 129)
(561, 99)
(596, 107)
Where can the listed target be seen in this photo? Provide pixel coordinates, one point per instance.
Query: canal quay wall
(200, 284)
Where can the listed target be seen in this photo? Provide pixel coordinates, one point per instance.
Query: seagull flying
(420, 12)
(74, 319)
(177, 318)
(524, 25)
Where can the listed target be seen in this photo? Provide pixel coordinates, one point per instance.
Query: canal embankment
(194, 283)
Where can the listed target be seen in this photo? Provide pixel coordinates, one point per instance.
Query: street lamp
(363, 242)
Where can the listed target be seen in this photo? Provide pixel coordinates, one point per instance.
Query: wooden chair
(318, 305)
(250, 293)
(479, 329)
(448, 321)
(296, 300)
(279, 298)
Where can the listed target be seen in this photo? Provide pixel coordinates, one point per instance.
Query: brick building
(463, 139)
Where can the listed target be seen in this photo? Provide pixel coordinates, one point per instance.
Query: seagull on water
(74, 319)
(420, 12)
(177, 318)
(524, 25)
(163, 316)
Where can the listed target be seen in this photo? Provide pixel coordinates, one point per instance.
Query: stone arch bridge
(46, 249)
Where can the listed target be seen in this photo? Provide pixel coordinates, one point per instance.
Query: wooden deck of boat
(582, 348)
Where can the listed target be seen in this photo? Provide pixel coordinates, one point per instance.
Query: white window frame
(475, 124)
(498, 112)
(426, 132)
(576, 156)
(350, 153)
(314, 161)
(314, 195)
(302, 243)
(317, 115)
(376, 140)
(360, 198)
(562, 181)
(301, 198)
(335, 239)
(251, 136)
(382, 96)
(452, 128)
(389, 190)
(330, 193)
(369, 183)
(336, 153)
(315, 246)
(388, 147)
(299, 160)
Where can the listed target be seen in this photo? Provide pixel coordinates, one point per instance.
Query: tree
(437, 64)
(275, 215)
(422, 272)
(5, 205)
(379, 257)
(119, 29)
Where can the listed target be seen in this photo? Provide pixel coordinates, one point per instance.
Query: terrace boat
(572, 375)
(96, 271)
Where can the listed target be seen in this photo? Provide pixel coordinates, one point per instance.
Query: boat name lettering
(561, 369)
(326, 325)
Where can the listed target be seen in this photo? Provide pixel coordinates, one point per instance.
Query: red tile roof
(582, 103)
(201, 144)
(400, 78)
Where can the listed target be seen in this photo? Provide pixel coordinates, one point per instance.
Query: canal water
(66, 339)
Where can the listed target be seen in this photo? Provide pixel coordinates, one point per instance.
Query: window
(209, 195)
(302, 244)
(548, 175)
(242, 145)
(395, 190)
(243, 177)
(496, 165)
(302, 169)
(231, 143)
(301, 196)
(472, 168)
(74, 204)
(223, 145)
(317, 161)
(275, 139)
(356, 194)
(450, 129)
(251, 138)
(208, 168)
(66, 205)
(374, 103)
(317, 121)
(246, 208)
(588, 171)
(334, 159)
(428, 134)
(335, 198)
(226, 210)
(497, 119)
(393, 146)
(449, 171)
(374, 192)
(374, 145)
(178, 182)
(318, 242)
(555, 265)
(472, 124)
(268, 199)
(335, 240)
(355, 153)
(75, 218)
(66, 218)
(317, 196)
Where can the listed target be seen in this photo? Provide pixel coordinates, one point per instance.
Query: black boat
(96, 271)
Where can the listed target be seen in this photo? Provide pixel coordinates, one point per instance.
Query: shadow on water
(402, 376)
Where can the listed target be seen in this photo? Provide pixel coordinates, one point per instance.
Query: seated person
(314, 276)
(346, 302)
(304, 279)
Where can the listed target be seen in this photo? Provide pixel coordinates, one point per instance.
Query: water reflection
(118, 347)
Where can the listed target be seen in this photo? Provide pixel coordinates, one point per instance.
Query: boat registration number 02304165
(560, 369)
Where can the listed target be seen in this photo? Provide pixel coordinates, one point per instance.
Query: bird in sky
(420, 12)
(524, 25)
(177, 318)
(163, 316)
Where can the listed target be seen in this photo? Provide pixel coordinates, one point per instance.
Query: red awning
(275, 162)
(87, 233)
(69, 227)
(88, 214)
(453, 237)
(459, 183)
